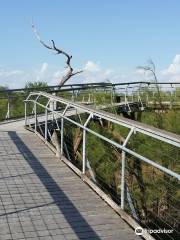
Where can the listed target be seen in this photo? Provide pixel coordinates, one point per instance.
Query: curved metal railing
(144, 159)
(143, 92)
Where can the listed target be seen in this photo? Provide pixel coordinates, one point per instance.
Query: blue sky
(108, 39)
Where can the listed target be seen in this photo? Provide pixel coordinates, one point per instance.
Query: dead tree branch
(151, 68)
(69, 72)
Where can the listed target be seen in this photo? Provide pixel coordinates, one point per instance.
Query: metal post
(8, 109)
(55, 102)
(111, 96)
(84, 144)
(84, 151)
(25, 113)
(8, 114)
(147, 99)
(35, 115)
(72, 97)
(171, 99)
(123, 165)
(46, 124)
(123, 179)
(62, 135)
(125, 99)
(52, 109)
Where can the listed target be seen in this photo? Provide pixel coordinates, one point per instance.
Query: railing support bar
(46, 124)
(35, 115)
(25, 113)
(84, 144)
(84, 151)
(123, 166)
(62, 135)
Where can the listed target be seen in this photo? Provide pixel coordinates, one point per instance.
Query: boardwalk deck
(41, 198)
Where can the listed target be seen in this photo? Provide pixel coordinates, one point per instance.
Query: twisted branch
(70, 72)
(152, 68)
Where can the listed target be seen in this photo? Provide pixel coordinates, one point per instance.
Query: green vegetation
(12, 103)
(154, 194)
(170, 120)
(36, 85)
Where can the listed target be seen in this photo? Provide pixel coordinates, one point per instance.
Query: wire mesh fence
(151, 196)
(155, 197)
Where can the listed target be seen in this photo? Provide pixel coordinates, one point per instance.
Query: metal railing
(105, 148)
(145, 93)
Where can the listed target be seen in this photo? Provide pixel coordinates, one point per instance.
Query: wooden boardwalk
(41, 198)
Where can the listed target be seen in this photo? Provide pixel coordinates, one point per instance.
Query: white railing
(69, 109)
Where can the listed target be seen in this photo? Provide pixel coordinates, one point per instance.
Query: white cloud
(174, 67)
(140, 72)
(8, 73)
(11, 78)
(92, 72)
(108, 72)
(59, 74)
(90, 66)
(18, 78)
(40, 74)
(44, 68)
(172, 72)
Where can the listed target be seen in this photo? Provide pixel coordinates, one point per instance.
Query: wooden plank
(42, 197)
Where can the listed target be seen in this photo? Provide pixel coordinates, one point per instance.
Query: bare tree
(70, 72)
(152, 69)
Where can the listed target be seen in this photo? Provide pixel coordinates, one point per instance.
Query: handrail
(61, 119)
(164, 136)
(79, 86)
(140, 127)
(144, 95)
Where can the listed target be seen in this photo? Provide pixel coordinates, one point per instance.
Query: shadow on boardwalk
(54, 190)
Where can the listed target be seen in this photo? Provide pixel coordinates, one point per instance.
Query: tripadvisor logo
(139, 231)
